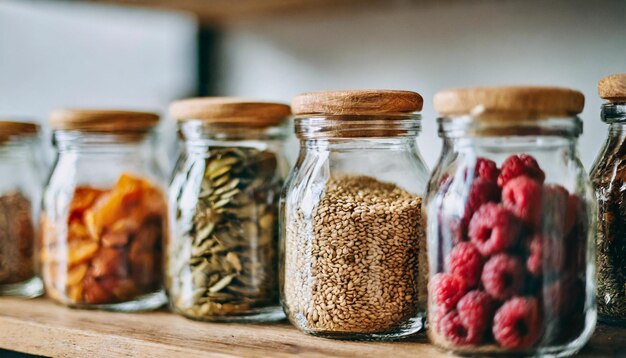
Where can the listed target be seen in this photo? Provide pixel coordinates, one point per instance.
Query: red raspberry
(476, 310)
(466, 262)
(503, 276)
(446, 290)
(517, 324)
(486, 169)
(543, 248)
(493, 229)
(522, 196)
(455, 332)
(522, 165)
(561, 298)
(558, 210)
(481, 192)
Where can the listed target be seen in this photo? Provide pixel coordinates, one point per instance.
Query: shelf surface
(213, 11)
(42, 327)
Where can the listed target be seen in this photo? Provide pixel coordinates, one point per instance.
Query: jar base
(29, 289)
(268, 314)
(414, 326)
(149, 302)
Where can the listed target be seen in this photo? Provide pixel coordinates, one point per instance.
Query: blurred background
(143, 54)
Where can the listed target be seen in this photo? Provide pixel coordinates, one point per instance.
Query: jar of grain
(222, 255)
(609, 177)
(511, 222)
(104, 212)
(353, 260)
(20, 194)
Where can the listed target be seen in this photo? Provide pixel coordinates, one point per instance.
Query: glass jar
(20, 195)
(608, 177)
(353, 251)
(222, 255)
(104, 212)
(511, 224)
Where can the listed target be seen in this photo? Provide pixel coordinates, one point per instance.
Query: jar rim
(199, 130)
(358, 126)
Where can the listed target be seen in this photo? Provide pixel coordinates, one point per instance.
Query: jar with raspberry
(511, 224)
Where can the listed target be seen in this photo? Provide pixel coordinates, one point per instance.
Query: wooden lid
(356, 102)
(10, 129)
(102, 120)
(230, 110)
(613, 87)
(512, 103)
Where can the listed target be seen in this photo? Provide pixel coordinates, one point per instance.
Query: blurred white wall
(67, 54)
(427, 46)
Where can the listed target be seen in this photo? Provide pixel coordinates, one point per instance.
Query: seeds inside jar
(226, 263)
(16, 239)
(352, 262)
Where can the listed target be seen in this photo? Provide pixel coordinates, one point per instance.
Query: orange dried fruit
(81, 251)
(76, 275)
(109, 262)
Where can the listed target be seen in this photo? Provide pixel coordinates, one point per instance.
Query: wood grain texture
(42, 327)
(230, 110)
(530, 102)
(356, 102)
(613, 87)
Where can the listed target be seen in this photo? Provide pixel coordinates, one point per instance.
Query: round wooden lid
(230, 110)
(102, 120)
(510, 102)
(356, 102)
(613, 87)
(9, 127)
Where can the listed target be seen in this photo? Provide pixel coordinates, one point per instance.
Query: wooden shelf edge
(44, 328)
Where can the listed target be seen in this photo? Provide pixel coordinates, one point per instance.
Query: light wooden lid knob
(356, 102)
(613, 87)
(511, 102)
(230, 110)
(102, 120)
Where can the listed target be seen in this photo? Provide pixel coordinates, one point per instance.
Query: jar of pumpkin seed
(222, 256)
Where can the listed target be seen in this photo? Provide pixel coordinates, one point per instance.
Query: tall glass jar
(353, 251)
(609, 177)
(20, 194)
(222, 255)
(511, 224)
(104, 212)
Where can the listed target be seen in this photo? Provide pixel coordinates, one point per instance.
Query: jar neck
(19, 148)
(110, 143)
(358, 126)
(523, 129)
(614, 113)
(360, 144)
(198, 136)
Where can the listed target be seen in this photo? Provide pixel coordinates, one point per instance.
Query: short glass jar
(104, 212)
(222, 254)
(20, 194)
(353, 250)
(511, 222)
(609, 177)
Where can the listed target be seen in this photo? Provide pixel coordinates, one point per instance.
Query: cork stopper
(613, 87)
(230, 110)
(356, 102)
(10, 129)
(510, 103)
(102, 120)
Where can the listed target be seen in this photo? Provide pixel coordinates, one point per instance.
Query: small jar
(609, 177)
(20, 195)
(511, 222)
(104, 212)
(353, 251)
(222, 255)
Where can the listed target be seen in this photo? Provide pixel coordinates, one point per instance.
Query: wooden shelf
(42, 327)
(216, 11)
